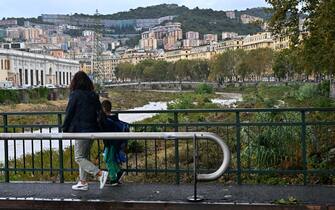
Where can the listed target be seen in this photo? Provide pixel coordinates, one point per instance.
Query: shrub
(204, 89)
(324, 88)
(8, 96)
(306, 91)
(184, 102)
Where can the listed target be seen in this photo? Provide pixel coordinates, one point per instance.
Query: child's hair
(106, 106)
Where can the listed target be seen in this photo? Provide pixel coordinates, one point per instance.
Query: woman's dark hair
(106, 105)
(81, 81)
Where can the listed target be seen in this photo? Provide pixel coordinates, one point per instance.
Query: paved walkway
(213, 193)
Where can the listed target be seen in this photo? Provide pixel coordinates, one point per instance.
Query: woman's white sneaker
(80, 186)
(103, 179)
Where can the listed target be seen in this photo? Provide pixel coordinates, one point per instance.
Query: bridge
(161, 169)
(173, 85)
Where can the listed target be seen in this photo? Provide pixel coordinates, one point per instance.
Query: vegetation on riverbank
(262, 147)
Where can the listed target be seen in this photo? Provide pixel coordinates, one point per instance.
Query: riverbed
(228, 100)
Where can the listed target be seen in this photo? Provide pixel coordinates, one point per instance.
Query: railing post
(176, 152)
(303, 145)
(5, 130)
(61, 163)
(195, 197)
(238, 147)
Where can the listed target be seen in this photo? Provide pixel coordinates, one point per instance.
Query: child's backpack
(113, 124)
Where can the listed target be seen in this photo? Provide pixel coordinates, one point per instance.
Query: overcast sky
(33, 8)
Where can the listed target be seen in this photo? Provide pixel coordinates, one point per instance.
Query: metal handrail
(230, 110)
(136, 136)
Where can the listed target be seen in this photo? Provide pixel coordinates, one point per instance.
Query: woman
(82, 116)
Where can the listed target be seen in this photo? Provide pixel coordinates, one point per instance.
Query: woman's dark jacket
(82, 112)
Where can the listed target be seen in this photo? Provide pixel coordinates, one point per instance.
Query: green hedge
(28, 95)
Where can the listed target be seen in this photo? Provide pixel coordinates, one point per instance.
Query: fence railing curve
(136, 136)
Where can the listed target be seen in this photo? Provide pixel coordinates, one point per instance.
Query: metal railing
(293, 142)
(134, 136)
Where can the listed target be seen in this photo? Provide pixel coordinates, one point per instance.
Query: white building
(29, 69)
(229, 35)
(247, 19)
(231, 14)
(209, 38)
(192, 35)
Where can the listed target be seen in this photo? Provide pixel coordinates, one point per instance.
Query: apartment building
(167, 36)
(231, 14)
(229, 35)
(209, 38)
(24, 33)
(136, 56)
(230, 44)
(192, 40)
(259, 40)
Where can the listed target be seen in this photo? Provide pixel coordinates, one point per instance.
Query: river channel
(225, 99)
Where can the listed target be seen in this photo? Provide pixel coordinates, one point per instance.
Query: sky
(34, 8)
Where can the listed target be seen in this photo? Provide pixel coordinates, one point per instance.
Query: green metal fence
(296, 144)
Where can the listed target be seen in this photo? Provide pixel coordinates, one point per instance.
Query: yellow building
(231, 44)
(281, 43)
(257, 41)
(136, 56)
(198, 53)
(109, 65)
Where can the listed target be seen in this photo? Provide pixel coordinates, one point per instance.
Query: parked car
(26, 86)
(51, 86)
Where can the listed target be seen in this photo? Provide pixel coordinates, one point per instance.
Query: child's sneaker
(114, 183)
(80, 186)
(103, 179)
(120, 176)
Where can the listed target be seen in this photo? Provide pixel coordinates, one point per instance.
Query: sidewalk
(246, 195)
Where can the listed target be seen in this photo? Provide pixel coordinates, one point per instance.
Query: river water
(37, 145)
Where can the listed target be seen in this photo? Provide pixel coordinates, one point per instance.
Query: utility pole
(97, 67)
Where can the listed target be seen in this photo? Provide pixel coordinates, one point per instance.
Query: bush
(324, 88)
(307, 91)
(184, 102)
(135, 147)
(9, 96)
(204, 89)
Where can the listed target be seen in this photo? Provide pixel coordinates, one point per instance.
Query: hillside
(261, 12)
(202, 20)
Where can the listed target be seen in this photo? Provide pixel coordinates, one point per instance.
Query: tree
(183, 70)
(318, 47)
(200, 70)
(287, 64)
(224, 66)
(124, 71)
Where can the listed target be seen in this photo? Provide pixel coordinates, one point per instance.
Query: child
(113, 150)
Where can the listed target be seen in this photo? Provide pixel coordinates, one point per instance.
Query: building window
(42, 78)
(60, 78)
(1, 64)
(56, 77)
(67, 78)
(37, 77)
(64, 78)
(26, 76)
(20, 77)
(31, 77)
